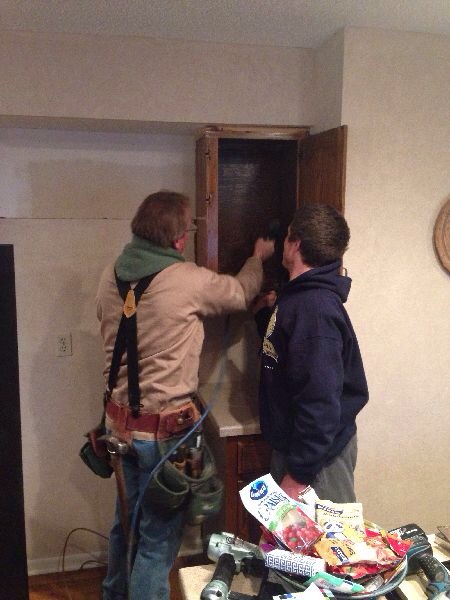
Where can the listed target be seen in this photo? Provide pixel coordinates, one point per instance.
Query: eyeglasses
(192, 226)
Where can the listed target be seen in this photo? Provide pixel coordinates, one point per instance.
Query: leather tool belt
(163, 425)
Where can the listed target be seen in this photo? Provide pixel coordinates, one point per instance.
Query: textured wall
(328, 76)
(102, 77)
(395, 102)
(69, 197)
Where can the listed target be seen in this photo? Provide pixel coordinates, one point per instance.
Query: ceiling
(292, 23)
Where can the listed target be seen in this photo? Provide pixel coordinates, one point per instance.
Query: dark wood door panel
(321, 168)
(256, 185)
(253, 457)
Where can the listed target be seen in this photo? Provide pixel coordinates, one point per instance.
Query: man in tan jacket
(170, 334)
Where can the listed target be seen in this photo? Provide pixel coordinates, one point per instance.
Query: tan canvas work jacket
(170, 328)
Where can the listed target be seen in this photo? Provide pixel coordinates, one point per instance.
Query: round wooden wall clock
(441, 235)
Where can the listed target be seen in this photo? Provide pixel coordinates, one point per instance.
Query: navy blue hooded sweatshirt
(312, 382)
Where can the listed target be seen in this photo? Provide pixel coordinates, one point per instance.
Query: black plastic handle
(225, 569)
(219, 586)
(434, 570)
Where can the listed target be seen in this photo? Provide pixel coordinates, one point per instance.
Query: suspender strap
(126, 339)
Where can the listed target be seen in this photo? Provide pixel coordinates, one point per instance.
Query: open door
(321, 168)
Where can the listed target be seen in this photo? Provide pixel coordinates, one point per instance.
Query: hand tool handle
(433, 569)
(274, 230)
(220, 584)
(436, 573)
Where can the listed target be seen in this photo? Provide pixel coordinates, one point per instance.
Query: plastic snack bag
(341, 521)
(280, 514)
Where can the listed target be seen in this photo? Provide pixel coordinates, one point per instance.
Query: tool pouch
(205, 501)
(201, 497)
(168, 489)
(94, 454)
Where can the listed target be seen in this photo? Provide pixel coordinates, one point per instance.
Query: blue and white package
(296, 564)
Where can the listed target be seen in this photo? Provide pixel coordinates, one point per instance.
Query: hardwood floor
(73, 585)
(86, 584)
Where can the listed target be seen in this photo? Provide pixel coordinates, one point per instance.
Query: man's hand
(266, 300)
(263, 248)
(291, 487)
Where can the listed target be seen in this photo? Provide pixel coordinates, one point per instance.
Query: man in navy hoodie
(312, 382)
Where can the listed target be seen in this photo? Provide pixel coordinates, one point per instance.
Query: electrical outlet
(64, 344)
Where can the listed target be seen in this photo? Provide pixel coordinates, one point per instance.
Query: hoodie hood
(141, 258)
(327, 277)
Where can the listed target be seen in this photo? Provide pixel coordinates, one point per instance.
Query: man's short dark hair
(162, 218)
(323, 233)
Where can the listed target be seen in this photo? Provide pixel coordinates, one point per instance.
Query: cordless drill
(420, 556)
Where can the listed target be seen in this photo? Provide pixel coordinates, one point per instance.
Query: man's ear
(178, 244)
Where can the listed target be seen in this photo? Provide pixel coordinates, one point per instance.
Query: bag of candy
(341, 521)
(280, 514)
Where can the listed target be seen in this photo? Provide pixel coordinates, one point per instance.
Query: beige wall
(101, 77)
(328, 72)
(68, 197)
(394, 98)
(395, 102)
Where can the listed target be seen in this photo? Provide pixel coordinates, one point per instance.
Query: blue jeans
(158, 536)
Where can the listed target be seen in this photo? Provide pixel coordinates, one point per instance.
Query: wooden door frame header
(254, 132)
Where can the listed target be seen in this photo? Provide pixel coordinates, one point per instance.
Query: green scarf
(140, 258)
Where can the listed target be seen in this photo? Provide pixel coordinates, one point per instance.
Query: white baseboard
(72, 562)
(192, 544)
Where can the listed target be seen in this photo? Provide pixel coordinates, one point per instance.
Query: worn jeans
(158, 537)
(335, 481)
